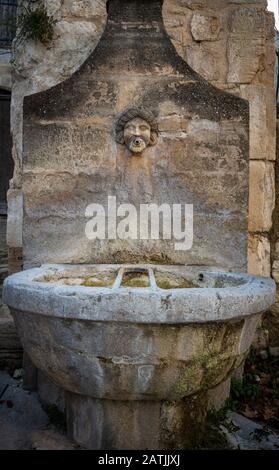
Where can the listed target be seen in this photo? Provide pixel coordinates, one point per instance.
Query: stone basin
(136, 348)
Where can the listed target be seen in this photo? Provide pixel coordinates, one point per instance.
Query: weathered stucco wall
(230, 43)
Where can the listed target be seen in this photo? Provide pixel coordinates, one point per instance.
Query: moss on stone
(135, 279)
(95, 279)
(99, 280)
(189, 380)
(166, 280)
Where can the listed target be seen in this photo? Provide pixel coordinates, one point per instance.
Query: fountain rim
(139, 305)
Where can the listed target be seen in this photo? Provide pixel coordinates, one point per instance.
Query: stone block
(134, 425)
(217, 396)
(246, 45)
(15, 259)
(259, 255)
(262, 121)
(156, 360)
(270, 123)
(30, 374)
(15, 215)
(50, 393)
(53, 7)
(87, 9)
(262, 196)
(3, 244)
(39, 67)
(238, 373)
(248, 332)
(205, 27)
(203, 62)
(270, 60)
(181, 6)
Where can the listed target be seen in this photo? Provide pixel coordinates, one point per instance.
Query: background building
(7, 32)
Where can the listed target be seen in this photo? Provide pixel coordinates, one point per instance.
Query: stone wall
(38, 67)
(72, 156)
(271, 321)
(230, 43)
(235, 51)
(5, 84)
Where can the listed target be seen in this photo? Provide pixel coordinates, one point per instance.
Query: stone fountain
(136, 329)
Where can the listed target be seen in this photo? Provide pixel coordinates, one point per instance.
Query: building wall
(37, 67)
(230, 43)
(5, 84)
(71, 156)
(271, 321)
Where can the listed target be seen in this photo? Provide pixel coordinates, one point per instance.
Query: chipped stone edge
(139, 305)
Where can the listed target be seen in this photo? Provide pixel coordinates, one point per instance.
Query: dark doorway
(6, 161)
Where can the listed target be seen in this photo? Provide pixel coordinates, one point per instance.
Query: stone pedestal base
(217, 396)
(135, 425)
(50, 394)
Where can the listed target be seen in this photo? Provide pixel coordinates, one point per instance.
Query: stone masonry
(230, 43)
(72, 156)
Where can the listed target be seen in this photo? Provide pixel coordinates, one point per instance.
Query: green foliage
(214, 437)
(35, 23)
(244, 388)
(217, 417)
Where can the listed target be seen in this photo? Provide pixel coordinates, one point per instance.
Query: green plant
(35, 23)
(244, 388)
(214, 436)
(218, 416)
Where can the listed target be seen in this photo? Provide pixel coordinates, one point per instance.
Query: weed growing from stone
(244, 388)
(35, 23)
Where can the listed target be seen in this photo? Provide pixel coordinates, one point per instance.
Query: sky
(273, 6)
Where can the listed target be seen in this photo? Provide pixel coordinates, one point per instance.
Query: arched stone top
(71, 157)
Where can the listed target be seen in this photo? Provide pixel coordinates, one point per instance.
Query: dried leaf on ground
(249, 412)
